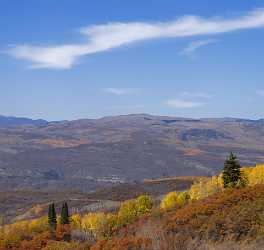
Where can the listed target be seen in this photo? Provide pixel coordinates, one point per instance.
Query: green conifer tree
(231, 175)
(65, 214)
(52, 217)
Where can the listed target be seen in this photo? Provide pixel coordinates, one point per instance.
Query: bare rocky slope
(84, 154)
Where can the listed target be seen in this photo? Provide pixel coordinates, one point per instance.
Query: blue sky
(84, 59)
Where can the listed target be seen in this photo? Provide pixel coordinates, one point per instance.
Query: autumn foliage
(207, 212)
(233, 216)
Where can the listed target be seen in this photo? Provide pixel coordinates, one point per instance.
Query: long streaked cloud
(183, 104)
(112, 35)
(121, 91)
(196, 45)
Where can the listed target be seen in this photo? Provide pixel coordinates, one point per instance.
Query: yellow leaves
(127, 212)
(172, 200)
(169, 201)
(131, 209)
(38, 225)
(256, 175)
(247, 170)
(93, 221)
(204, 189)
(144, 204)
(12, 235)
(76, 221)
(183, 198)
(100, 224)
(111, 225)
(250, 176)
(253, 175)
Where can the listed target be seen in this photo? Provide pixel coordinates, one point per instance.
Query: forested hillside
(211, 214)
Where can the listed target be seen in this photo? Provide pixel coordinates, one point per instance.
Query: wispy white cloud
(112, 35)
(196, 45)
(196, 95)
(260, 92)
(121, 91)
(182, 104)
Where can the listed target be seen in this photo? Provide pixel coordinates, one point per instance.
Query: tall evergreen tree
(231, 173)
(65, 214)
(52, 217)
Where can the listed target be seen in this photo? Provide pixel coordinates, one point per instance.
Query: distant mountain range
(10, 121)
(84, 154)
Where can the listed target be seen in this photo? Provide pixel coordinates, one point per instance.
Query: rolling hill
(89, 153)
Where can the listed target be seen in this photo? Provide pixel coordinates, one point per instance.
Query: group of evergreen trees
(52, 216)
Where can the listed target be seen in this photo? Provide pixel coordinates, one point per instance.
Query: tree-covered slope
(233, 219)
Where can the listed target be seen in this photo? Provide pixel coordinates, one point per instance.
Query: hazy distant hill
(9, 121)
(87, 153)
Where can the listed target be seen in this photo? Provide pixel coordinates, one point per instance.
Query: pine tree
(65, 214)
(52, 217)
(231, 175)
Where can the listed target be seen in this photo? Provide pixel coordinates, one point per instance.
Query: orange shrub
(37, 242)
(125, 243)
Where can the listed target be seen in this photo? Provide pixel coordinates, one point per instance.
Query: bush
(255, 175)
(12, 235)
(38, 225)
(183, 198)
(169, 202)
(39, 241)
(127, 212)
(94, 222)
(144, 204)
(76, 221)
(111, 225)
(132, 209)
(204, 189)
(101, 225)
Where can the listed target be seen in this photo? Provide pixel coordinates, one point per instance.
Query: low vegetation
(233, 218)
(225, 211)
